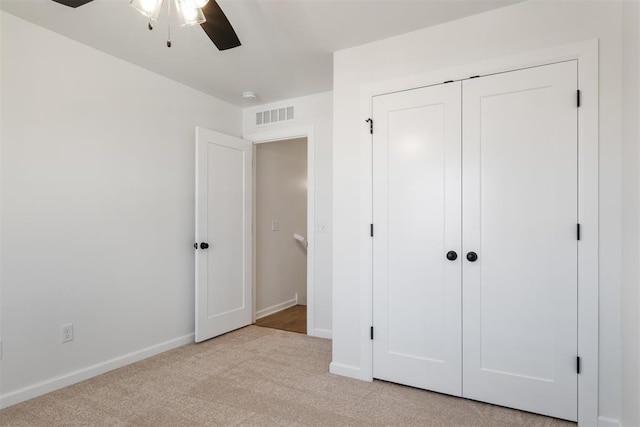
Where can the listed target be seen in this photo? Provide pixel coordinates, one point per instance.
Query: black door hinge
(578, 97)
(370, 121)
(474, 77)
(372, 332)
(448, 81)
(578, 364)
(371, 230)
(578, 231)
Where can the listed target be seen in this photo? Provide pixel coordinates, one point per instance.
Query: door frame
(283, 135)
(586, 53)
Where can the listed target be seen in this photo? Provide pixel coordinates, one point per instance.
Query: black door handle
(472, 256)
(452, 255)
(204, 245)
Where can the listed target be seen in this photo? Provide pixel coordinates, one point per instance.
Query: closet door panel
(519, 217)
(416, 217)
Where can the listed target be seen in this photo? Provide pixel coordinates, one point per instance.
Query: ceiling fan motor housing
(72, 3)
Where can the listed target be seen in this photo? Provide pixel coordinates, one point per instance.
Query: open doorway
(280, 234)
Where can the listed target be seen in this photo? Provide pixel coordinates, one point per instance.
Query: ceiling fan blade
(218, 27)
(72, 3)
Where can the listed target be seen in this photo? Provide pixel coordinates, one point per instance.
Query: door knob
(472, 256)
(204, 245)
(452, 255)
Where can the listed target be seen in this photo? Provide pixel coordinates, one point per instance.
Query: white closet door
(519, 217)
(416, 217)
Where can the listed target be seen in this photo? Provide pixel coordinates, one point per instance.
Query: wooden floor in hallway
(293, 319)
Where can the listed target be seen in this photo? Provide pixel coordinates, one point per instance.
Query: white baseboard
(320, 333)
(65, 380)
(608, 422)
(276, 308)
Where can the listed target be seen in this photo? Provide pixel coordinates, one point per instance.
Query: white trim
(586, 53)
(276, 308)
(348, 371)
(588, 215)
(284, 134)
(608, 422)
(321, 333)
(65, 380)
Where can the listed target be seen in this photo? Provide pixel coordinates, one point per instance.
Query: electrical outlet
(275, 225)
(67, 332)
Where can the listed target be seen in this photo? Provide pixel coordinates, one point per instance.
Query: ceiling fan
(207, 13)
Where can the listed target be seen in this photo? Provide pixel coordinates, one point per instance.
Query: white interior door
(223, 233)
(520, 217)
(416, 218)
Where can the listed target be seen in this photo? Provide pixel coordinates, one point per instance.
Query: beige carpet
(253, 376)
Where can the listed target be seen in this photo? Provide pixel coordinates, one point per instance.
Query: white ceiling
(287, 45)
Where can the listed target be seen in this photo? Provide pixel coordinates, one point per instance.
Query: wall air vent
(277, 115)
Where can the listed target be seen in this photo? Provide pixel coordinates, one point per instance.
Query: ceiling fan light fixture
(149, 8)
(189, 13)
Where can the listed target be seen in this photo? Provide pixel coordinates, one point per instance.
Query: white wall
(630, 292)
(97, 208)
(281, 195)
(314, 111)
(508, 31)
(1, 162)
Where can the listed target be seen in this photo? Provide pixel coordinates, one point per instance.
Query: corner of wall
(2, 40)
(630, 283)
